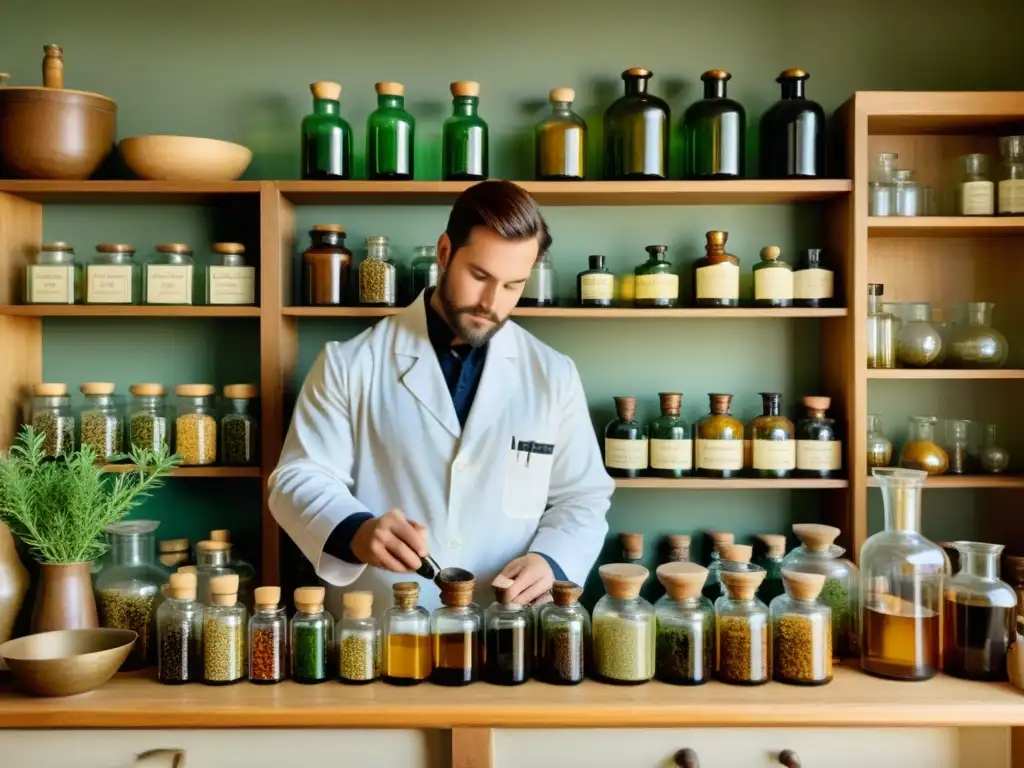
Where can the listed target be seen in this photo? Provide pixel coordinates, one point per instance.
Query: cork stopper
(224, 589)
(625, 407)
(682, 581)
(465, 88)
(802, 586)
(632, 545)
(721, 539)
(328, 228)
(240, 391)
(174, 248)
(267, 598)
(358, 605)
(716, 240)
(815, 536)
(221, 535)
(671, 402)
(774, 543)
(742, 581)
(816, 404)
(97, 388)
(173, 545)
(148, 390)
(228, 248)
(501, 585)
(770, 253)
(115, 248)
(50, 390)
(561, 94)
(565, 593)
(194, 390)
(58, 245)
(719, 402)
(309, 599)
(188, 569)
(213, 546)
(456, 586)
(182, 586)
(794, 73)
(737, 553)
(325, 89)
(678, 546)
(389, 89)
(406, 593)
(622, 580)
(637, 72)
(716, 74)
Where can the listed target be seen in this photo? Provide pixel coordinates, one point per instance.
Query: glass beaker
(956, 445)
(881, 333)
(908, 194)
(879, 446)
(921, 450)
(919, 344)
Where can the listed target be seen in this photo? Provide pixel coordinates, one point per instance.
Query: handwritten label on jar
(625, 454)
(671, 454)
(773, 283)
(52, 285)
(719, 454)
(819, 455)
(108, 284)
(813, 284)
(1011, 196)
(594, 287)
(232, 285)
(168, 284)
(718, 281)
(977, 198)
(774, 454)
(662, 286)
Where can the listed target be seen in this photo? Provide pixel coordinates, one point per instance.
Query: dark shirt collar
(441, 334)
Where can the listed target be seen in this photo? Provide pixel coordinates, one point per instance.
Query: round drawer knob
(687, 758)
(789, 758)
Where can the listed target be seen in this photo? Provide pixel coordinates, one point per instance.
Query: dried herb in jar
(58, 433)
(837, 597)
(357, 658)
(134, 612)
(179, 654)
(563, 654)
(102, 433)
(684, 654)
(742, 649)
(196, 438)
(148, 431)
(267, 654)
(239, 442)
(223, 651)
(309, 653)
(622, 648)
(801, 649)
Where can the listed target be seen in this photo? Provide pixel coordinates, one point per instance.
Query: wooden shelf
(945, 226)
(195, 471)
(966, 481)
(735, 484)
(129, 192)
(114, 310)
(939, 112)
(939, 374)
(580, 313)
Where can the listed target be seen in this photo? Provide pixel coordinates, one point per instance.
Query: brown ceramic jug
(64, 599)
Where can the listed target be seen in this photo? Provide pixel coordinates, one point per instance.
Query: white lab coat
(374, 428)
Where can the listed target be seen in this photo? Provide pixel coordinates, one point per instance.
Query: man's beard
(457, 318)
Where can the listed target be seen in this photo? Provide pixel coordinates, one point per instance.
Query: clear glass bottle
(53, 278)
(773, 279)
(975, 192)
(772, 550)
(772, 447)
(714, 132)
(716, 276)
(102, 428)
(792, 132)
(636, 132)
(326, 136)
(212, 560)
(980, 615)
(918, 344)
(813, 285)
(464, 137)
(595, 287)
(228, 279)
(881, 333)
(819, 447)
(327, 263)
(51, 415)
(908, 194)
(956, 445)
(128, 585)
(174, 553)
(148, 426)
(390, 136)
(224, 633)
(901, 582)
(625, 441)
(624, 627)
(455, 630)
(508, 639)
(195, 428)
(540, 286)
(632, 547)
(656, 284)
(406, 647)
(882, 185)
(922, 450)
(1011, 175)
(425, 271)
(245, 570)
(879, 446)
(179, 632)
(311, 637)
(719, 541)
(563, 636)
(993, 458)
(741, 626)
(268, 638)
(358, 640)
(671, 447)
(561, 140)
(238, 427)
(169, 278)
(378, 275)
(719, 448)
(112, 276)
(685, 645)
(977, 344)
(801, 631)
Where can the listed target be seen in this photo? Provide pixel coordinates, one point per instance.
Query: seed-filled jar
(509, 638)
(112, 277)
(685, 648)
(224, 633)
(801, 631)
(51, 416)
(312, 635)
(169, 277)
(101, 420)
(455, 628)
(741, 626)
(238, 427)
(148, 427)
(406, 651)
(179, 622)
(564, 636)
(378, 275)
(268, 633)
(358, 639)
(54, 277)
(624, 630)
(326, 267)
(228, 279)
(195, 429)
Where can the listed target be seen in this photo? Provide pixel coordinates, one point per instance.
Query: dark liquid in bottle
(508, 656)
(901, 646)
(977, 639)
(456, 657)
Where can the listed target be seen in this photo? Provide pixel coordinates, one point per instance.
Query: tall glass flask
(636, 132)
(561, 151)
(881, 332)
(390, 135)
(326, 136)
(793, 132)
(714, 132)
(464, 136)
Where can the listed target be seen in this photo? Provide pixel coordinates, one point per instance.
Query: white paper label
(773, 283)
(977, 198)
(52, 285)
(819, 455)
(719, 454)
(1011, 196)
(232, 285)
(719, 281)
(813, 284)
(774, 454)
(671, 454)
(660, 286)
(625, 454)
(593, 287)
(108, 284)
(167, 284)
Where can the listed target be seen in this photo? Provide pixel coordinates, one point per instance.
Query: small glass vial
(51, 416)
(358, 639)
(425, 271)
(976, 192)
(378, 275)
(656, 284)
(195, 428)
(685, 647)
(819, 450)
(1011, 176)
(406, 646)
(326, 266)
(112, 276)
(922, 451)
(882, 185)
(772, 448)
(801, 631)
(772, 551)
(741, 626)
(716, 276)
(212, 560)
(228, 279)
(881, 332)
(720, 540)
(179, 630)
(595, 287)
(773, 279)
(101, 420)
(719, 448)
(813, 285)
(224, 633)
(246, 572)
(919, 343)
(671, 453)
(632, 548)
(508, 638)
(311, 636)
(563, 636)
(561, 140)
(540, 286)
(169, 277)
(879, 446)
(625, 441)
(908, 194)
(455, 629)
(238, 427)
(148, 427)
(624, 627)
(268, 638)
(956, 445)
(54, 278)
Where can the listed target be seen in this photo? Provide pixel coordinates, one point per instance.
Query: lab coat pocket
(527, 477)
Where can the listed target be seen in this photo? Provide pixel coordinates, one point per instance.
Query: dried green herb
(742, 649)
(102, 432)
(624, 648)
(239, 436)
(148, 431)
(58, 433)
(801, 649)
(357, 660)
(223, 650)
(135, 612)
(309, 653)
(837, 597)
(684, 654)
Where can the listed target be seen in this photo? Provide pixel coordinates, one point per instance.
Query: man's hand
(531, 578)
(391, 542)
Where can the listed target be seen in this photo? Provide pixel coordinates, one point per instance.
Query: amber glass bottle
(390, 135)
(327, 263)
(772, 447)
(719, 449)
(819, 450)
(636, 132)
(561, 153)
(625, 441)
(657, 284)
(716, 276)
(773, 279)
(326, 136)
(670, 443)
(714, 132)
(793, 132)
(464, 137)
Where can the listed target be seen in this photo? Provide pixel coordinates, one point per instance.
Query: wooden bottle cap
(174, 248)
(632, 545)
(406, 593)
(465, 88)
(173, 545)
(716, 238)
(803, 586)
(325, 89)
(57, 245)
(328, 228)
(720, 539)
(679, 542)
(50, 390)
(770, 253)
(267, 597)
(775, 543)
(98, 388)
(637, 72)
(623, 580)
(389, 89)
(670, 402)
(682, 581)
(565, 593)
(228, 248)
(737, 553)
(115, 248)
(817, 403)
(500, 585)
(815, 536)
(742, 581)
(224, 589)
(187, 569)
(240, 391)
(182, 586)
(221, 534)
(561, 94)
(148, 390)
(310, 599)
(358, 605)
(456, 586)
(716, 74)
(795, 73)
(625, 407)
(194, 390)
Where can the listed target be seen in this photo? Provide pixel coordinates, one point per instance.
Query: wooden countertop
(852, 698)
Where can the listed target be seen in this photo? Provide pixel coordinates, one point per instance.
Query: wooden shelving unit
(577, 313)
(941, 374)
(731, 484)
(237, 472)
(96, 310)
(967, 481)
(945, 226)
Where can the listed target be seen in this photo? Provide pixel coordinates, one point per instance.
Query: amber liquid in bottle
(716, 276)
(901, 646)
(977, 638)
(408, 659)
(456, 657)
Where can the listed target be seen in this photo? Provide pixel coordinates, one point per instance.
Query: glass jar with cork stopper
(112, 276)
(632, 547)
(801, 631)
(229, 280)
(624, 627)
(212, 559)
(326, 136)
(311, 636)
(52, 417)
(685, 647)
(716, 276)
(169, 278)
(390, 136)
(773, 279)
(508, 638)
(195, 428)
(719, 541)
(464, 136)
(561, 140)
(101, 420)
(563, 636)
(719, 440)
(772, 553)
(741, 626)
(772, 447)
(224, 633)
(268, 638)
(671, 448)
(819, 449)
(53, 278)
(406, 647)
(656, 285)
(238, 426)
(148, 426)
(326, 266)
(455, 629)
(245, 570)
(378, 274)
(179, 631)
(358, 639)
(625, 441)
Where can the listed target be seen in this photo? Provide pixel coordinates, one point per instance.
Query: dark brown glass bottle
(636, 132)
(326, 267)
(793, 132)
(819, 451)
(719, 448)
(714, 132)
(625, 441)
(772, 447)
(716, 276)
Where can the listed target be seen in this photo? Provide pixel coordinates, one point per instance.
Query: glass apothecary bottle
(101, 421)
(212, 560)
(741, 626)
(882, 185)
(922, 451)
(813, 285)
(901, 582)
(112, 276)
(993, 457)
(975, 192)
(979, 614)
(390, 136)
(326, 136)
(625, 441)
(595, 287)
(378, 275)
(881, 331)
(879, 446)
(268, 638)
(773, 279)
(657, 284)
(716, 276)
(225, 623)
(148, 425)
(245, 570)
(179, 632)
(977, 344)
(327, 263)
(908, 193)
(238, 426)
(52, 417)
(195, 428)
(311, 637)
(793, 132)
(561, 140)
(425, 270)
(801, 631)
(632, 547)
(819, 448)
(1011, 175)
(685, 619)
(508, 638)
(772, 447)
(455, 630)
(719, 448)
(174, 553)
(772, 551)
(636, 131)
(53, 278)
(229, 280)
(714, 132)
(918, 344)
(128, 585)
(358, 639)
(540, 286)
(624, 627)
(170, 275)
(563, 629)
(406, 646)
(956, 445)
(720, 540)
(464, 137)
(671, 448)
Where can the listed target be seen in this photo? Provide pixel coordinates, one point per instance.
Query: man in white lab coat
(448, 430)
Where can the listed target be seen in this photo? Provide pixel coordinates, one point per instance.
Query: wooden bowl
(52, 133)
(67, 661)
(184, 158)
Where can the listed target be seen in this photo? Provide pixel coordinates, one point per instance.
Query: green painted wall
(239, 70)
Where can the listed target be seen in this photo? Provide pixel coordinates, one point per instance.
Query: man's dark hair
(502, 207)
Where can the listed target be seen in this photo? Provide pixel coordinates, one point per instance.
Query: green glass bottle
(595, 287)
(657, 284)
(465, 135)
(326, 136)
(772, 444)
(714, 132)
(625, 441)
(773, 279)
(561, 151)
(670, 443)
(636, 132)
(390, 132)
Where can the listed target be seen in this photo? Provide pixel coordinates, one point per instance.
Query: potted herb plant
(59, 510)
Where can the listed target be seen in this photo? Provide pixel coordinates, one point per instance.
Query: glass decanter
(464, 136)
(390, 136)
(993, 457)
(881, 332)
(561, 140)
(719, 449)
(685, 645)
(406, 646)
(326, 136)
(922, 451)
(879, 446)
(624, 627)
(977, 344)
(636, 132)
(625, 441)
(919, 343)
(563, 636)
(669, 438)
(801, 631)
(741, 626)
(714, 132)
(772, 444)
